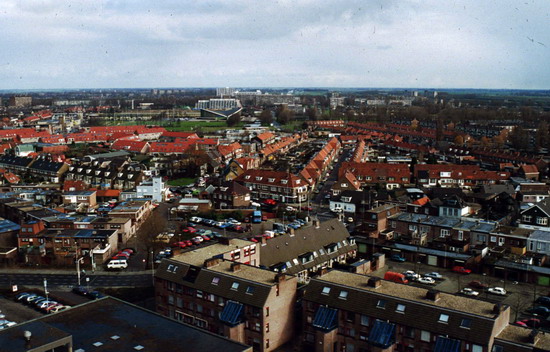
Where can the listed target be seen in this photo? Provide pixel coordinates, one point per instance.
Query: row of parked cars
(91, 294)
(228, 224)
(541, 307)
(4, 323)
(120, 260)
(43, 304)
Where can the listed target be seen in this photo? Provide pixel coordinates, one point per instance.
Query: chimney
(208, 263)
(433, 295)
(235, 267)
(224, 240)
(533, 337)
(323, 271)
(291, 231)
(280, 277)
(374, 282)
(316, 223)
(497, 308)
(263, 240)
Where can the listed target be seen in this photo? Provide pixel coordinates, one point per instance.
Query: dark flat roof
(118, 326)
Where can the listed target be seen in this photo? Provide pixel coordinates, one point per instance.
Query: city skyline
(110, 44)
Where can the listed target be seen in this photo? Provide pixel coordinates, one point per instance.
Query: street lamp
(78, 260)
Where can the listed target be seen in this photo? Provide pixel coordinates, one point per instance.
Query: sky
(47, 44)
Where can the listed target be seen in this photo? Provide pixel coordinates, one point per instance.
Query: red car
(461, 270)
(264, 217)
(306, 208)
(478, 284)
(189, 229)
(181, 244)
(237, 228)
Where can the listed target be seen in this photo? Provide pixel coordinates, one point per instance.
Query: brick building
(241, 302)
(350, 312)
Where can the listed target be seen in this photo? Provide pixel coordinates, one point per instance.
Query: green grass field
(181, 181)
(179, 126)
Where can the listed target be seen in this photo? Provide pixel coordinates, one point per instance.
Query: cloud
(101, 43)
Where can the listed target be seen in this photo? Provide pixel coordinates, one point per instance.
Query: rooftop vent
(433, 295)
(138, 347)
(98, 344)
(235, 267)
(374, 282)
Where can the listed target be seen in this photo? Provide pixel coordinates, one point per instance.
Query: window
(266, 311)
(542, 220)
(215, 280)
(477, 348)
(408, 332)
(460, 235)
(497, 348)
(400, 308)
(425, 336)
(266, 327)
(235, 286)
(466, 323)
(364, 320)
(443, 318)
(170, 299)
(393, 224)
(381, 304)
(526, 218)
(250, 290)
(326, 290)
(199, 294)
(493, 238)
(445, 232)
(343, 295)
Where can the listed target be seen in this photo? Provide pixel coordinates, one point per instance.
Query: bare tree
(148, 232)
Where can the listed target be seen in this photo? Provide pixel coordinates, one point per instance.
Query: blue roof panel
(445, 344)
(326, 319)
(382, 334)
(232, 313)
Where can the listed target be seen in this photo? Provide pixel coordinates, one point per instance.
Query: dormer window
(258, 178)
(297, 182)
(271, 180)
(284, 182)
(326, 290)
(247, 177)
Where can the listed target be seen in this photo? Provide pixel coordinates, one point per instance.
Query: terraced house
(279, 185)
(355, 313)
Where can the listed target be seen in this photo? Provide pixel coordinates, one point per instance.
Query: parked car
(24, 295)
(426, 280)
(411, 275)
(434, 275)
(395, 277)
(469, 292)
(497, 291)
(289, 208)
(541, 311)
(397, 258)
(80, 290)
(477, 284)
(189, 229)
(57, 309)
(522, 324)
(530, 322)
(543, 301)
(461, 270)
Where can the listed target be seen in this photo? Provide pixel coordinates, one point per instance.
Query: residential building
(154, 188)
(536, 217)
(241, 302)
(136, 210)
(350, 312)
(86, 198)
(389, 176)
(279, 185)
(63, 246)
(110, 324)
(376, 220)
(230, 195)
(304, 251)
(539, 242)
(451, 175)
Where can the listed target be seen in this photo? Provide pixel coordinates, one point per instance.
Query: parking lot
(519, 296)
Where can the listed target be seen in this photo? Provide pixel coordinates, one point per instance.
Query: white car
(469, 292)
(497, 291)
(411, 275)
(195, 219)
(289, 208)
(426, 280)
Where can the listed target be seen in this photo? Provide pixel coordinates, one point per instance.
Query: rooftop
(109, 324)
(410, 293)
(198, 256)
(518, 334)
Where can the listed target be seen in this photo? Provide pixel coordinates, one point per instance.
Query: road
(131, 279)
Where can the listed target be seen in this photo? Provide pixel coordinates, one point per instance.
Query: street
(69, 280)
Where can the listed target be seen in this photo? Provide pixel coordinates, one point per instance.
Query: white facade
(154, 189)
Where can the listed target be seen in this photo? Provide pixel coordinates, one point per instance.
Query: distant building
(218, 104)
(20, 102)
(221, 92)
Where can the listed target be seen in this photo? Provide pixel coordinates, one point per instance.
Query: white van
(117, 264)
